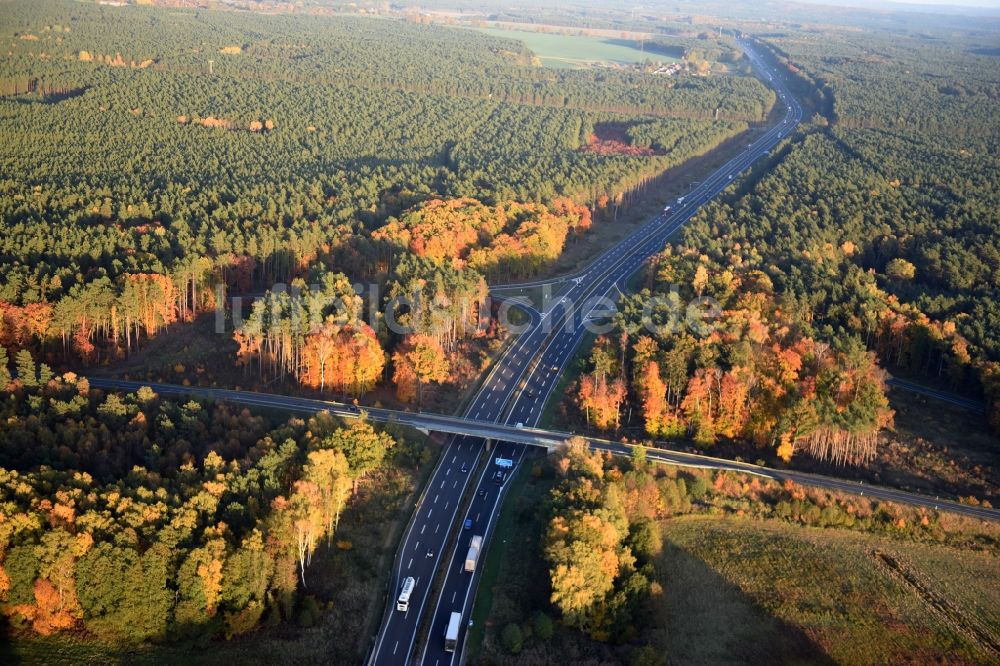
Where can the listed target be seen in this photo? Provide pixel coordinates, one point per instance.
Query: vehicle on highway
(468, 523)
(499, 477)
(475, 544)
(465, 468)
(430, 552)
(680, 200)
(451, 633)
(530, 394)
(482, 492)
(730, 176)
(520, 425)
(666, 209)
(403, 602)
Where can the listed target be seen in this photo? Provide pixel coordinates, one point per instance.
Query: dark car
(499, 477)
(482, 492)
(465, 468)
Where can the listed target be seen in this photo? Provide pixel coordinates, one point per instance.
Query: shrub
(512, 639)
(646, 655)
(697, 487)
(543, 627)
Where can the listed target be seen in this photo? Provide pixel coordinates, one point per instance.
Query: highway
(558, 331)
(507, 409)
(503, 398)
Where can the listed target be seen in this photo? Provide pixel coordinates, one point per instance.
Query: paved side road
(470, 447)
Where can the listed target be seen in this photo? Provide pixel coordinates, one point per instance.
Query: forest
(870, 242)
(881, 225)
(168, 160)
(134, 518)
(751, 374)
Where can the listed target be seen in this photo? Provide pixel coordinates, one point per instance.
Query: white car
(730, 176)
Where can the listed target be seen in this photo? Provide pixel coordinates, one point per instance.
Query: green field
(738, 590)
(573, 51)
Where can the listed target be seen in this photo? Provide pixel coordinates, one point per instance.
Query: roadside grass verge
(514, 551)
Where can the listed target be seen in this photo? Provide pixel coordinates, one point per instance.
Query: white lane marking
(446, 505)
(436, 497)
(395, 647)
(453, 459)
(429, 512)
(410, 563)
(437, 527)
(423, 527)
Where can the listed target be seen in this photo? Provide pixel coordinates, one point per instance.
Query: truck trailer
(451, 633)
(475, 545)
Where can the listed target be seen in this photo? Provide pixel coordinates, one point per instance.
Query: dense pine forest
(157, 162)
(164, 159)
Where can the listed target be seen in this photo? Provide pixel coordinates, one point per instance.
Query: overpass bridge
(548, 439)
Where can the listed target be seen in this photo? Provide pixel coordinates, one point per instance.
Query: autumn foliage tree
(315, 335)
(505, 241)
(752, 376)
(213, 529)
(420, 359)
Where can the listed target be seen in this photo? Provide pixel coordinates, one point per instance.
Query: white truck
(403, 601)
(475, 545)
(451, 633)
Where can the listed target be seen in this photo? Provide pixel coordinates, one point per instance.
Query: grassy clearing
(938, 448)
(736, 587)
(737, 590)
(575, 51)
